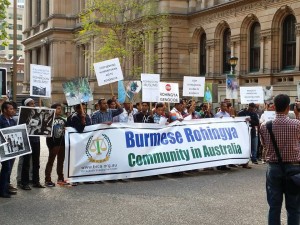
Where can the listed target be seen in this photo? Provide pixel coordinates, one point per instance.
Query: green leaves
(3, 24)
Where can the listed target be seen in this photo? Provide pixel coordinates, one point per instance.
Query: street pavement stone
(235, 197)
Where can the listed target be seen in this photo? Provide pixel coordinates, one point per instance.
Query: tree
(3, 23)
(120, 29)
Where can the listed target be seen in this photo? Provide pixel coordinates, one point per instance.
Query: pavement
(199, 197)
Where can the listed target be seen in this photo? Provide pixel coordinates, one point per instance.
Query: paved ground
(203, 197)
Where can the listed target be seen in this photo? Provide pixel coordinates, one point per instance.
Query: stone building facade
(202, 36)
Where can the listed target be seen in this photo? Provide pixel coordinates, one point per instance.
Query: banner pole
(111, 90)
(40, 102)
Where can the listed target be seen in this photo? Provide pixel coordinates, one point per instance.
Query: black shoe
(25, 187)
(232, 165)
(254, 162)
(5, 195)
(38, 185)
(11, 192)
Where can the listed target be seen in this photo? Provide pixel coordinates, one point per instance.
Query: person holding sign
(176, 112)
(6, 120)
(79, 119)
(143, 116)
(104, 114)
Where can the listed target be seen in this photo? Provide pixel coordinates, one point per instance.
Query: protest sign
(298, 90)
(40, 81)
(77, 91)
(150, 87)
(108, 71)
(268, 93)
(267, 116)
(252, 95)
(17, 142)
(168, 92)
(2, 139)
(39, 121)
(127, 151)
(231, 87)
(193, 86)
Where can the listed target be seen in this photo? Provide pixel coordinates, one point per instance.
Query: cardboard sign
(193, 86)
(150, 87)
(40, 81)
(252, 95)
(108, 71)
(168, 92)
(232, 87)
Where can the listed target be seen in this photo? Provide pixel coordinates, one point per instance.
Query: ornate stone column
(26, 83)
(34, 12)
(297, 66)
(210, 45)
(266, 66)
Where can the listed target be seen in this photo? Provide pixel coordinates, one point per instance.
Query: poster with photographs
(2, 139)
(232, 87)
(77, 91)
(39, 121)
(40, 81)
(17, 142)
(268, 93)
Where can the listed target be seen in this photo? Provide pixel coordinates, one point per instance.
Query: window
(19, 47)
(19, 37)
(226, 50)
(289, 43)
(2, 47)
(11, 47)
(10, 16)
(19, 17)
(19, 27)
(255, 47)
(202, 58)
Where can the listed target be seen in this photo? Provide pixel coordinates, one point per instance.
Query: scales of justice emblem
(98, 149)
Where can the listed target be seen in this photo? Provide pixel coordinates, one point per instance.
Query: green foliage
(119, 29)
(3, 24)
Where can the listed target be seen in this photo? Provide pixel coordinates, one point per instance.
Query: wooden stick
(111, 90)
(40, 102)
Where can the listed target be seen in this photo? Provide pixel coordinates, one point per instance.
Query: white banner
(108, 71)
(40, 81)
(193, 86)
(252, 95)
(121, 151)
(168, 92)
(150, 87)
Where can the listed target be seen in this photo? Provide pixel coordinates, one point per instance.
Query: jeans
(254, 145)
(5, 175)
(58, 151)
(276, 187)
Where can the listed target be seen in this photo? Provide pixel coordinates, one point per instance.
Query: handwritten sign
(252, 95)
(108, 71)
(193, 86)
(150, 87)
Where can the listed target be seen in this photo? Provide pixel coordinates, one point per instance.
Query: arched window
(202, 57)
(255, 47)
(226, 50)
(289, 43)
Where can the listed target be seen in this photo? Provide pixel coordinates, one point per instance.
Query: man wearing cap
(104, 114)
(35, 156)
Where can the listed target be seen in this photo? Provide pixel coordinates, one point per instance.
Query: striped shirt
(101, 117)
(287, 136)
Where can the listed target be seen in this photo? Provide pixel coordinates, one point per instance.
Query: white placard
(40, 81)
(108, 71)
(150, 85)
(252, 95)
(298, 90)
(193, 86)
(168, 92)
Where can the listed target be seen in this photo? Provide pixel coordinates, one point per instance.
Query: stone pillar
(27, 14)
(43, 55)
(210, 45)
(235, 50)
(26, 82)
(34, 12)
(43, 9)
(267, 51)
(297, 66)
(262, 55)
(34, 56)
(192, 5)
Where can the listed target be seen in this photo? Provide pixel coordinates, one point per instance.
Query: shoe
(255, 162)
(38, 185)
(246, 166)
(25, 187)
(12, 192)
(49, 184)
(5, 195)
(232, 165)
(62, 182)
(12, 188)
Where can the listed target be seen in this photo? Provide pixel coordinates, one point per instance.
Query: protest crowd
(111, 111)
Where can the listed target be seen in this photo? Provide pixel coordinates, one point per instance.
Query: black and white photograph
(39, 91)
(3, 140)
(17, 142)
(39, 121)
